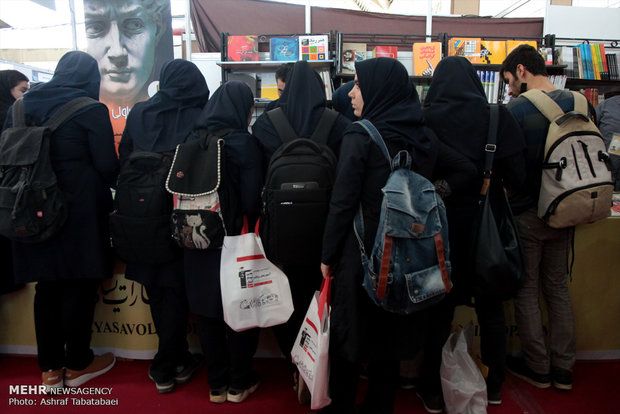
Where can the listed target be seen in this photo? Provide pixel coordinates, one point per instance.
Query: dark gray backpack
(32, 207)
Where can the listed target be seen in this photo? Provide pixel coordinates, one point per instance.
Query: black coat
(242, 182)
(159, 125)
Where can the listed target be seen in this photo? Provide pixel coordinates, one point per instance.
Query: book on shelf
(242, 48)
(284, 48)
(327, 82)
(351, 53)
(314, 48)
(596, 61)
(268, 86)
(547, 54)
(512, 44)
(605, 65)
(492, 52)
(385, 51)
(468, 47)
(426, 56)
(612, 63)
(564, 56)
(491, 81)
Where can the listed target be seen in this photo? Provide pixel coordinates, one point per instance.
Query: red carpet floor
(596, 390)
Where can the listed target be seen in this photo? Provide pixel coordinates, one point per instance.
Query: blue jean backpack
(408, 268)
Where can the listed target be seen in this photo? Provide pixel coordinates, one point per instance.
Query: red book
(385, 51)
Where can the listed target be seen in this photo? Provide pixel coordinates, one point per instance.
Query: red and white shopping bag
(255, 292)
(311, 348)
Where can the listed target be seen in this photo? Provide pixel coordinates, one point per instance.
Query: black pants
(304, 282)
(343, 385)
(228, 353)
(490, 314)
(169, 310)
(63, 318)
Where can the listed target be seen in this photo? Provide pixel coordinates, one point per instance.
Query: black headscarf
(341, 101)
(229, 107)
(167, 119)
(456, 108)
(76, 75)
(391, 103)
(8, 80)
(303, 100)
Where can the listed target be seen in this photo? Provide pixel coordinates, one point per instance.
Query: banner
(131, 40)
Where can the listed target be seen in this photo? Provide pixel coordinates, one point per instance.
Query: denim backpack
(409, 266)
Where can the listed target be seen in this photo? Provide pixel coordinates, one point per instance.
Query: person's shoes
(100, 365)
(163, 385)
(238, 395)
(433, 403)
(407, 383)
(518, 368)
(53, 378)
(303, 393)
(562, 379)
(494, 398)
(185, 372)
(218, 395)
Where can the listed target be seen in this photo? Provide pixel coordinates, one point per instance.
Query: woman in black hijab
(13, 85)
(159, 125)
(303, 103)
(456, 108)
(361, 331)
(70, 266)
(228, 353)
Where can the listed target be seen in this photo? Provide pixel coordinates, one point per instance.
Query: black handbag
(497, 259)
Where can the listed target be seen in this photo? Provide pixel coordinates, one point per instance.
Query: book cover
(426, 56)
(314, 47)
(580, 68)
(492, 52)
(385, 51)
(596, 60)
(284, 49)
(268, 86)
(605, 67)
(468, 47)
(512, 44)
(351, 53)
(242, 48)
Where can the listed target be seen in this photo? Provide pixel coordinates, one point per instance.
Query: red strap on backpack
(385, 267)
(442, 261)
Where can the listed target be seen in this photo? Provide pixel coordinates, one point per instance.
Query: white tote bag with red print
(255, 292)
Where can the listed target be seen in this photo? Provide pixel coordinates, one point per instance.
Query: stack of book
(589, 61)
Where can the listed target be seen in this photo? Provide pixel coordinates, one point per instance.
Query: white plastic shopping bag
(255, 292)
(311, 348)
(464, 389)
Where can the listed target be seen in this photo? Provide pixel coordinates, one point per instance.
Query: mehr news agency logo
(40, 395)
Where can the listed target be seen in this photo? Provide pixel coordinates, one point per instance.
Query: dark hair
(283, 70)
(527, 56)
(12, 77)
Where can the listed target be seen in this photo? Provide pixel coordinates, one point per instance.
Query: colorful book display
(426, 56)
(351, 53)
(314, 48)
(242, 48)
(284, 48)
(492, 52)
(468, 47)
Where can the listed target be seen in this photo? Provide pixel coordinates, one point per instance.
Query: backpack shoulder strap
(68, 109)
(19, 119)
(581, 103)
(376, 136)
(280, 123)
(544, 104)
(490, 148)
(321, 133)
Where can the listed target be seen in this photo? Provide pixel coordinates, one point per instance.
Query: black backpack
(297, 190)
(140, 223)
(32, 206)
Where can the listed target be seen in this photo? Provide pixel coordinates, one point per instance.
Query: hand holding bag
(311, 348)
(497, 263)
(255, 292)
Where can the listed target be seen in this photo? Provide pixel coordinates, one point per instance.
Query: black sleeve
(346, 195)
(125, 147)
(455, 168)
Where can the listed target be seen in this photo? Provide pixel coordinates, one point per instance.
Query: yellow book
(426, 56)
(512, 44)
(492, 52)
(596, 61)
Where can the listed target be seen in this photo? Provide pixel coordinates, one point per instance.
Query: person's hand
(326, 270)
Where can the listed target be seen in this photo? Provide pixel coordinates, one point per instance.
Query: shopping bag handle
(244, 229)
(324, 295)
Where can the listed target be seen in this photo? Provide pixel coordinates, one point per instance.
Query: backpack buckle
(490, 147)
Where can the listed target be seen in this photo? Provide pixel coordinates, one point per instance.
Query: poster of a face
(131, 40)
